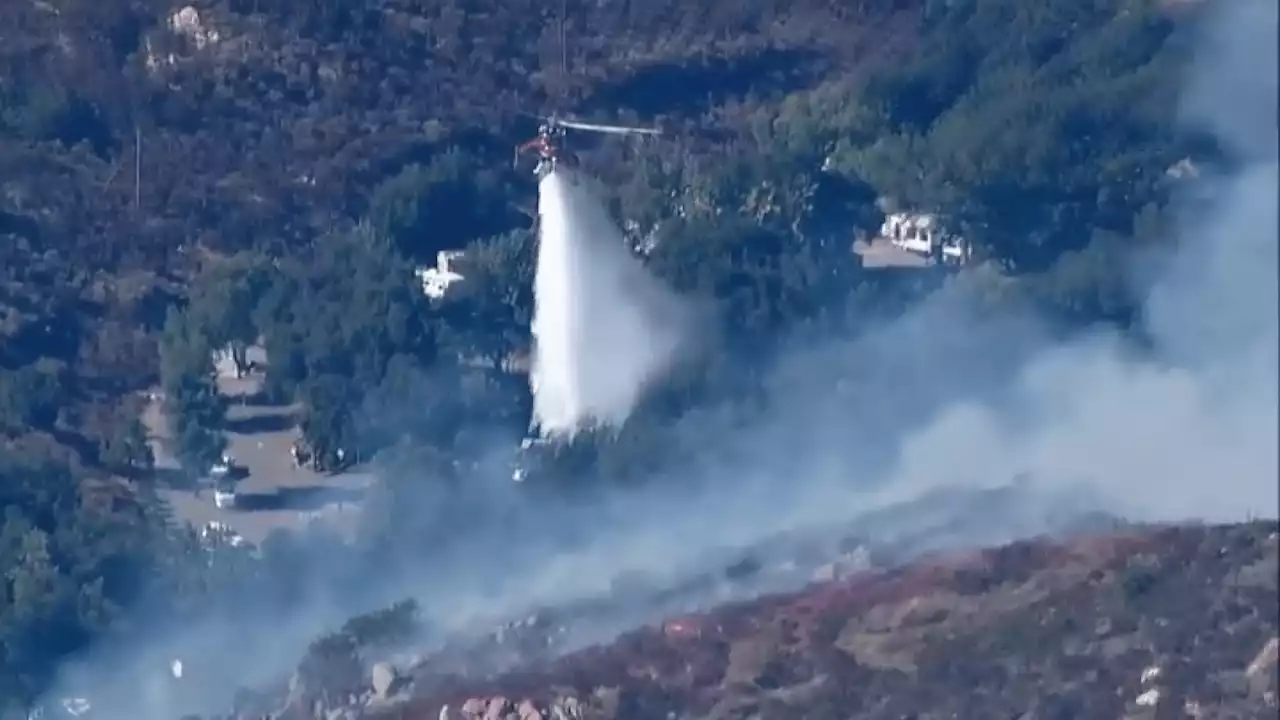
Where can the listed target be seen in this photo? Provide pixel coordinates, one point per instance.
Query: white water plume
(603, 328)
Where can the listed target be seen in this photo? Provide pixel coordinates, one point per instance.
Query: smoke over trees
(158, 210)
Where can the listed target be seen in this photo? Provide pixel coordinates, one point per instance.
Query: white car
(224, 499)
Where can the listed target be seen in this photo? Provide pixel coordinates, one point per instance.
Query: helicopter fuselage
(550, 146)
(550, 142)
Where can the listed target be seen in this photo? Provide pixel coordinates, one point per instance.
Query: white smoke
(603, 327)
(1188, 430)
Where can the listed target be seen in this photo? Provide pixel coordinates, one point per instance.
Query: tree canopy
(167, 197)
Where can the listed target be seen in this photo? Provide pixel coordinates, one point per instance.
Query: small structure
(224, 492)
(300, 453)
(224, 498)
(212, 534)
(436, 280)
(923, 234)
(232, 361)
(188, 23)
(530, 454)
(222, 468)
(76, 707)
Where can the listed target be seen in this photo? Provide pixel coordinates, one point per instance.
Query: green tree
(761, 279)
(197, 446)
(125, 449)
(327, 422)
(334, 323)
(223, 300)
(1027, 127)
(31, 396)
(195, 408)
(488, 313)
(331, 668)
(69, 567)
(439, 206)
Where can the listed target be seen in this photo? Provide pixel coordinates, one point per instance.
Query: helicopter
(550, 142)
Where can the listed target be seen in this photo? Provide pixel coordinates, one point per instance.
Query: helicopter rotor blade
(611, 129)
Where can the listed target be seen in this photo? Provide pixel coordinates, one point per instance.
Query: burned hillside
(183, 182)
(1141, 622)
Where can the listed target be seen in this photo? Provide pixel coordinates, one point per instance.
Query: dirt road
(274, 494)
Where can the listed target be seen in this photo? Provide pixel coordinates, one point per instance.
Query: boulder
(383, 678)
(497, 709)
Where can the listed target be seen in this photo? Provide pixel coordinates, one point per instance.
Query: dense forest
(274, 171)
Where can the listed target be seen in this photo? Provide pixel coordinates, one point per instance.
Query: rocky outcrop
(602, 704)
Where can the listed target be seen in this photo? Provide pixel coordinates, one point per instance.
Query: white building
(224, 499)
(436, 280)
(924, 234)
(231, 362)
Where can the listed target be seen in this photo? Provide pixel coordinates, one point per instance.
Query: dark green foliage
(1028, 126)
(30, 397)
(125, 449)
(195, 408)
(439, 206)
(224, 299)
(390, 625)
(70, 567)
(327, 420)
(338, 319)
(487, 315)
(332, 666)
(762, 278)
(153, 215)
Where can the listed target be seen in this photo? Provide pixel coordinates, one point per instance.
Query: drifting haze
(603, 328)
(1183, 429)
(1186, 428)
(1189, 430)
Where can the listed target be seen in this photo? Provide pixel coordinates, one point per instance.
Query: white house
(224, 498)
(923, 234)
(436, 280)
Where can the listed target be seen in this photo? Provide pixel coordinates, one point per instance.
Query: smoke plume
(1187, 429)
(949, 398)
(602, 327)
(943, 398)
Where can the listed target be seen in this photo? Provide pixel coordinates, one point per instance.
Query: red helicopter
(550, 142)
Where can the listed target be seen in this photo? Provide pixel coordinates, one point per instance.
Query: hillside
(1144, 622)
(267, 175)
(143, 141)
(270, 122)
